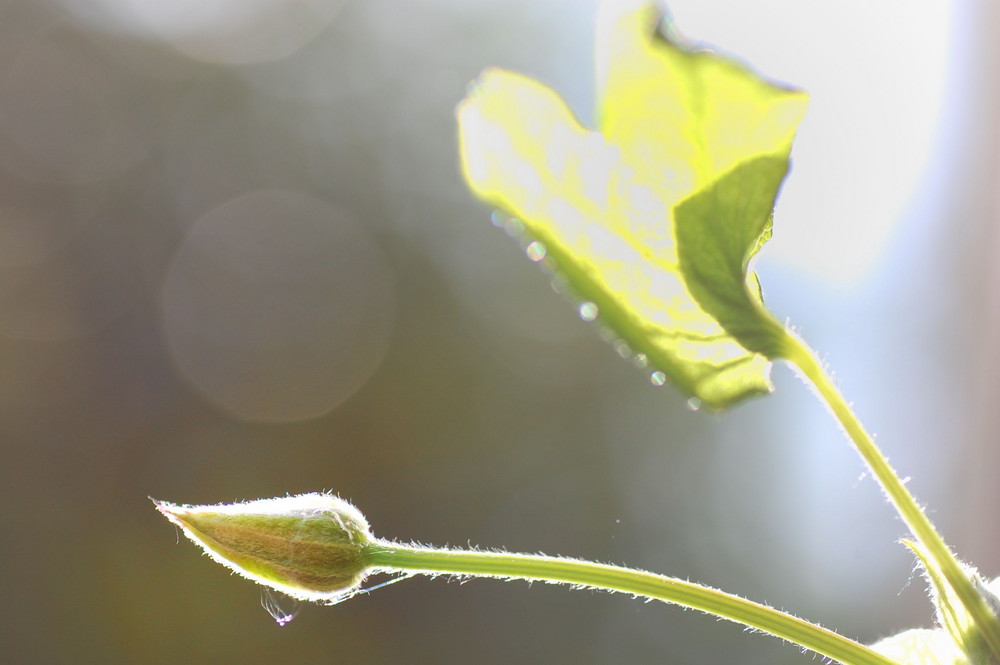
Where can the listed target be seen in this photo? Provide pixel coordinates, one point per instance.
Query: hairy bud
(310, 546)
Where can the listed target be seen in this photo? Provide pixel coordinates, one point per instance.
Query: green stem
(389, 556)
(802, 357)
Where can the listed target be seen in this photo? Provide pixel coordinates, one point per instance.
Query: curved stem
(389, 556)
(803, 358)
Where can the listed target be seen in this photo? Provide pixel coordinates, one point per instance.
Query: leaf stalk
(801, 357)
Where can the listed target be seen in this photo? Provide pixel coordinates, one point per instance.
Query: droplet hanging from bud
(309, 546)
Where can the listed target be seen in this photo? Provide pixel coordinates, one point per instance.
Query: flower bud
(310, 546)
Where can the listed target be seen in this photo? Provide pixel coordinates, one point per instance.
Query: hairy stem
(389, 556)
(803, 358)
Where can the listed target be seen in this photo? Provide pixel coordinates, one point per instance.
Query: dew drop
(622, 349)
(658, 378)
(513, 227)
(588, 311)
(640, 360)
(694, 404)
(282, 608)
(498, 219)
(536, 251)
(559, 283)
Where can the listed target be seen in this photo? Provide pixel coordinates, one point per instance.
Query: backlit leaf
(654, 217)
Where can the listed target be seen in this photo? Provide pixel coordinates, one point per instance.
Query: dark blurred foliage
(240, 262)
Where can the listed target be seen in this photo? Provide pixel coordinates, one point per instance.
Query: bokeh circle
(277, 306)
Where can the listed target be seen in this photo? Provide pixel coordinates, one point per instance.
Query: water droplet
(618, 521)
(658, 378)
(282, 608)
(559, 283)
(513, 227)
(588, 311)
(640, 360)
(622, 349)
(694, 404)
(536, 251)
(498, 219)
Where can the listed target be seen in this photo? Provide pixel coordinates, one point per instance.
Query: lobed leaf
(655, 217)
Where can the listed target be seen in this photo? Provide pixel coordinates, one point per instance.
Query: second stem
(803, 358)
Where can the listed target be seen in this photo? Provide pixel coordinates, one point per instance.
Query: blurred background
(237, 260)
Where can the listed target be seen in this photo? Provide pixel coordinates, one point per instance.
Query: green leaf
(921, 646)
(719, 229)
(655, 217)
(955, 621)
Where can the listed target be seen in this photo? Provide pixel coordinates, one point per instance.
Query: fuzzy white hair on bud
(308, 546)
